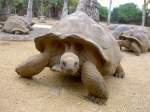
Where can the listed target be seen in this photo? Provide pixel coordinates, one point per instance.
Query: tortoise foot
(32, 65)
(93, 81)
(97, 100)
(27, 77)
(119, 72)
(56, 68)
(137, 54)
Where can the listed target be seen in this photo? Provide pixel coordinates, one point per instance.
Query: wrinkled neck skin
(124, 43)
(70, 48)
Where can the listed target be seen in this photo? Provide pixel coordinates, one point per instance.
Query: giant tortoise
(121, 29)
(77, 46)
(16, 25)
(112, 26)
(145, 30)
(136, 40)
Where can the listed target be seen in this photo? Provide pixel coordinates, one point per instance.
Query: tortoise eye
(64, 63)
(76, 63)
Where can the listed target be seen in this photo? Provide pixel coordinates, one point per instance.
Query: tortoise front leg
(149, 50)
(56, 68)
(33, 65)
(135, 48)
(94, 82)
(119, 72)
(124, 43)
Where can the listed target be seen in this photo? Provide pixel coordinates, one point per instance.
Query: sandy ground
(49, 92)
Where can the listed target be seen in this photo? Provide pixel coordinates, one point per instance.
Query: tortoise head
(69, 63)
(20, 30)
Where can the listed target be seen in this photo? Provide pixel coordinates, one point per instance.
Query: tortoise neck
(70, 48)
(124, 43)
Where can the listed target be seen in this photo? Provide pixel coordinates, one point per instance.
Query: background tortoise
(136, 40)
(77, 45)
(145, 30)
(121, 29)
(16, 25)
(112, 26)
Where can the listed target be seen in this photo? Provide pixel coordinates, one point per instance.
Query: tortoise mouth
(69, 72)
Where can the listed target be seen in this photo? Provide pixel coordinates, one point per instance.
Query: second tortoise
(136, 40)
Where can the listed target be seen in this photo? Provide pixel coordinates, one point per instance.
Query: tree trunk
(109, 12)
(144, 13)
(49, 12)
(65, 9)
(29, 10)
(42, 9)
(90, 8)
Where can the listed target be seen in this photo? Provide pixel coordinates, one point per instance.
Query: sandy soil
(49, 92)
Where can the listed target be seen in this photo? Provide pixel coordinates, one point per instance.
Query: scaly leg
(94, 82)
(124, 43)
(135, 48)
(149, 50)
(56, 68)
(119, 72)
(33, 65)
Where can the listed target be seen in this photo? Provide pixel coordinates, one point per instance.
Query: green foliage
(56, 3)
(103, 12)
(1, 4)
(18, 5)
(127, 13)
(39, 6)
(72, 5)
(73, 2)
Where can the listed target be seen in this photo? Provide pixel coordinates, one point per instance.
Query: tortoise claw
(97, 100)
(119, 74)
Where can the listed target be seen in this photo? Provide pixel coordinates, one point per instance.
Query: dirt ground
(49, 92)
